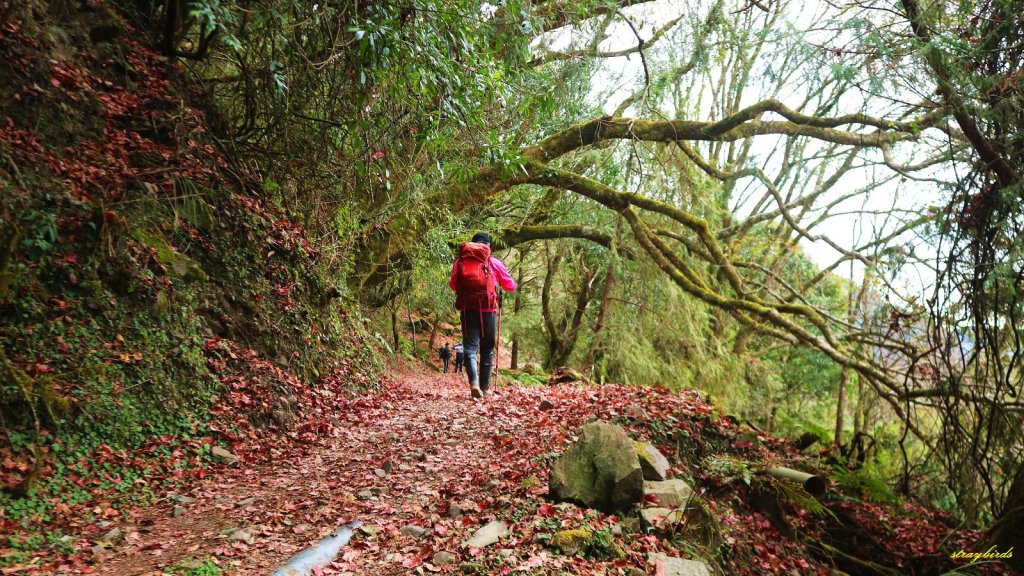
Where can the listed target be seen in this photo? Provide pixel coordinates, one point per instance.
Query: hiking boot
(476, 392)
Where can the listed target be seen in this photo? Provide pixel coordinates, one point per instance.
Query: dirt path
(443, 449)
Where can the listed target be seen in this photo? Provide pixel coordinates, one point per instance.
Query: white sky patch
(853, 222)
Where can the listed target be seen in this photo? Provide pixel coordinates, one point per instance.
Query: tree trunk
(394, 327)
(514, 357)
(602, 313)
(844, 377)
(408, 314)
(1006, 532)
(433, 333)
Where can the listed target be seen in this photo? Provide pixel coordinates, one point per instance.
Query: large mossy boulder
(601, 471)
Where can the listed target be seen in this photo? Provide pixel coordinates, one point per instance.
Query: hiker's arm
(451, 279)
(501, 274)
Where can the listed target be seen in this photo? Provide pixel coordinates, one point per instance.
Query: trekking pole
(497, 349)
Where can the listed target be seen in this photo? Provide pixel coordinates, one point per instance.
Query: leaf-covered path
(442, 449)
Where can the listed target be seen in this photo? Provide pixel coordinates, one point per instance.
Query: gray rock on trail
(415, 531)
(454, 510)
(678, 566)
(602, 470)
(487, 535)
(222, 455)
(670, 493)
(546, 404)
(443, 559)
(110, 537)
(178, 510)
(380, 472)
(652, 461)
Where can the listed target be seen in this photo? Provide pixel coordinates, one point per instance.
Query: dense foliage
(812, 215)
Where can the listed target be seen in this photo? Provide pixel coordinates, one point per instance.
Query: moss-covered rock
(602, 470)
(571, 542)
(177, 263)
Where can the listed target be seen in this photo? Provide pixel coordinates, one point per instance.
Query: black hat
(482, 238)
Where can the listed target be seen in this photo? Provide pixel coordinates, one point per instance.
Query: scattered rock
(653, 463)
(452, 442)
(443, 559)
(388, 466)
(178, 510)
(602, 470)
(405, 468)
(364, 495)
(616, 530)
(222, 455)
(240, 535)
(369, 529)
(454, 510)
(380, 472)
(378, 490)
(630, 524)
(571, 542)
(670, 493)
(98, 553)
(546, 404)
(181, 499)
(678, 566)
(415, 531)
(660, 518)
(487, 535)
(492, 485)
(393, 437)
(246, 502)
(636, 412)
(110, 537)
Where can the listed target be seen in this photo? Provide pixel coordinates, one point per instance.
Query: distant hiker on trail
(446, 355)
(475, 278)
(459, 357)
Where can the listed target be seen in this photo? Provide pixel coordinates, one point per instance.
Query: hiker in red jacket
(475, 278)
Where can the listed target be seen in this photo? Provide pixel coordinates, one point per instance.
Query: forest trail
(444, 449)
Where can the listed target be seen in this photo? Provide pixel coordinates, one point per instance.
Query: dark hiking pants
(474, 339)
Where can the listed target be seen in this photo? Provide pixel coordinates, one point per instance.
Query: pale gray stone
(487, 535)
(678, 566)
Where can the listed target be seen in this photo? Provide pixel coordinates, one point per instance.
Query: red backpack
(474, 278)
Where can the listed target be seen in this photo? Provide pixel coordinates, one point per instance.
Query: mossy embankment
(154, 300)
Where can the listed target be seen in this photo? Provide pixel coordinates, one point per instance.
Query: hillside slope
(144, 281)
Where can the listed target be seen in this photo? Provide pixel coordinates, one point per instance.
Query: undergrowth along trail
(424, 467)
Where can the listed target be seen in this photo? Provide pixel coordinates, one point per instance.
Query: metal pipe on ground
(815, 485)
(303, 563)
